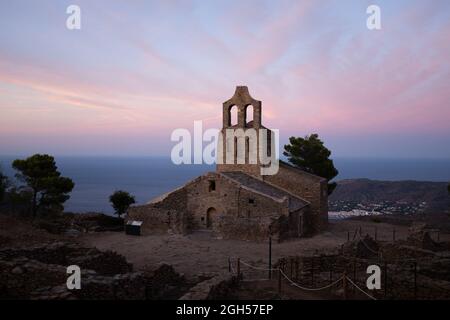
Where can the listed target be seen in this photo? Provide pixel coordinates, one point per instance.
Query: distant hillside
(372, 191)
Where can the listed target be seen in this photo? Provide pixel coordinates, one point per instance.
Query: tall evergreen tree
(311, 155)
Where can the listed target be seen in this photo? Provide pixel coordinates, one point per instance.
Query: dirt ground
(200, 255)
(201, 252)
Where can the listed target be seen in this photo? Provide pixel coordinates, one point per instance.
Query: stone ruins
(237, 201)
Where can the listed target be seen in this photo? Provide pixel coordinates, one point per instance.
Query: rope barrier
(355, 285)
(252, 280)
(362, 240)
(379, 253)
(312, 289)
(298, 285)
(287, 278)
(258, 268)
(309, 289)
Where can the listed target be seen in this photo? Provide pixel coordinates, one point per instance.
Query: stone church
(237, 201)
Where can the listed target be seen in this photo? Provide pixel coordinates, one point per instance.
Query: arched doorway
(211, 214)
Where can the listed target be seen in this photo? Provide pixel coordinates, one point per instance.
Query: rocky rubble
(164, 282)
(420, 237)
(63, 253)
(39, 272)
(20, 276)
(219, 287)
(73, 224)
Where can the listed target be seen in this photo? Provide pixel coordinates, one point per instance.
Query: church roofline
(289, 166)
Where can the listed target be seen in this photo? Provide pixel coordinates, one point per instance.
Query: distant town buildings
(343, 209)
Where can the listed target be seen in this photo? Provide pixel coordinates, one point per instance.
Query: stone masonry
(237, 201)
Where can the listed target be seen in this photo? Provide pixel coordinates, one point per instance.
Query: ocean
(97, 177)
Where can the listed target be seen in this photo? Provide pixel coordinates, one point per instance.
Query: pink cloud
(335, 80)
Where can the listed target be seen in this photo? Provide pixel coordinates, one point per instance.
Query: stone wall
(306, 186)
(61, 253)
(219, 287)
(309, 187)
(40, 273)
(19, 277)
(162, 216)
(238, 212)
(215, 202)
(200, 198)
(297, 224)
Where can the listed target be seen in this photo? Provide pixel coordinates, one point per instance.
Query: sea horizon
(147, 177)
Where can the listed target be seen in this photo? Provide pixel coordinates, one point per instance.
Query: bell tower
(241, 140)
(242, 100)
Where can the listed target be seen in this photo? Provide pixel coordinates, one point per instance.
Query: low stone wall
(40, 273)
(157, 220)
(219, 287)
(19, 277)
(74, 224)
(223, 290)
(62, 253)
(162, 215)
(163, 283)
(130, 286)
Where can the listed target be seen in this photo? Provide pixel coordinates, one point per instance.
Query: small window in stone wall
(251, 201)
(212, 185)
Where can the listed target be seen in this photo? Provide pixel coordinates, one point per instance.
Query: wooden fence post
(312, 271)
(279, 281)
(415, 280)
(376, 233)
(344, 284)
(393, 235)
(270, 257)
(239, 268)
(348, 236)
(385, 279)
(296, 268)
(229, 264)
(354, 274)
(292, 266)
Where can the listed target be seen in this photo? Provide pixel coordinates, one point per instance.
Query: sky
(137, 70)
